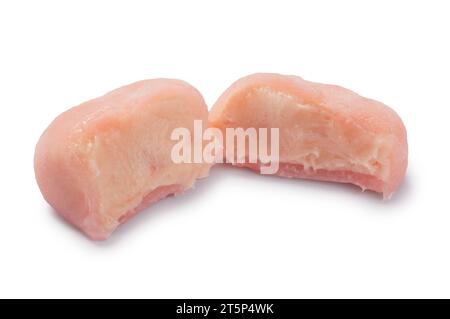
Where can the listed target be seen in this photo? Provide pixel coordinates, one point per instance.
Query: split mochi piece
(326, 132)
(101, 162)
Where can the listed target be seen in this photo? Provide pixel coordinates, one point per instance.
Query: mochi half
(326, 132)
(101, 162)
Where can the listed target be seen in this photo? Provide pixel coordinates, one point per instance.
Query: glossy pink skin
(339, 176)
(335, 121)
(100, 163)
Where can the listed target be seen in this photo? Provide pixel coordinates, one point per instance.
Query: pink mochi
(326, 132)
(101, 162)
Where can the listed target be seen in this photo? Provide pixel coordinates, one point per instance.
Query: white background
(237, 234)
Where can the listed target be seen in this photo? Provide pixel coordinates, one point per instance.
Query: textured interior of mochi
(151, 198)
(313, 136)
(130, 160)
